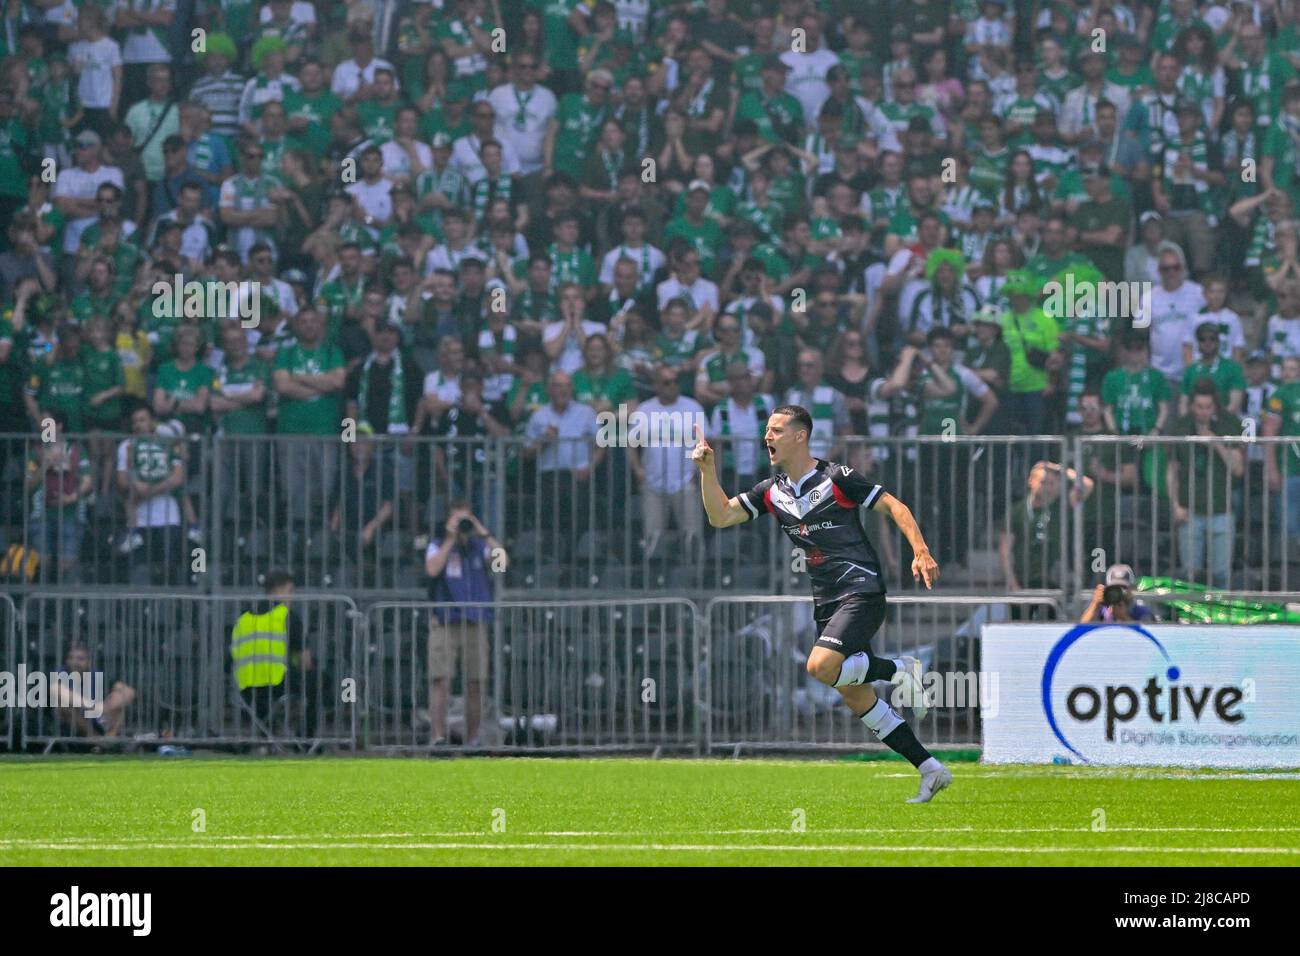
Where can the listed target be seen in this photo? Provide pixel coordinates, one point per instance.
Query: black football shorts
(847, 625)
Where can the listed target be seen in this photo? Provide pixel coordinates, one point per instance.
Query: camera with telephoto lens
(465, 526)
(1114, 595)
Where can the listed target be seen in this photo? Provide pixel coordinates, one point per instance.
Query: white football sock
(929, 765)
(854, 670)
(881, 720)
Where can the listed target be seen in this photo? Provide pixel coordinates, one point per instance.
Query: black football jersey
(819, 513)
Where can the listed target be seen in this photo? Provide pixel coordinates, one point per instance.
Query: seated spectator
(73, 710)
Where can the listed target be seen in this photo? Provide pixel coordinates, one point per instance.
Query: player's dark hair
(798, 414)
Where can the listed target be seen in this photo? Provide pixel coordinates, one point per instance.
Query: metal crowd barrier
(571, 675)
(358, 516)
(757, 695)
(173, 653)
(101, 539)
(1240, 534)
(8, 661)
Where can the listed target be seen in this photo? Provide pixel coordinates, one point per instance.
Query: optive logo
(1120, 703)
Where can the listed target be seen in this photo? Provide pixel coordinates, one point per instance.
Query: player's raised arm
(723, 512)
(924, 566)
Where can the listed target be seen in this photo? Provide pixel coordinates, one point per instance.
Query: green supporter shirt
(616, 388)
(705, 237)
(1035, 329)
(579, 125)
(151, 460)
(13, 142)
(230, 381)
(62, 385)
(318, 109)
(103, 371)
(779, 119)
(677, 353)
(320, 414)
(378, 120)
(1285, 153)
(1285, 404)
(1092, 217)
(1226, 374)
(1205, 480)
(534, 398)
(183, 385)
(1134, 398)
(13, 370)
(1037, 546)
(561, 42)
(1043, 268)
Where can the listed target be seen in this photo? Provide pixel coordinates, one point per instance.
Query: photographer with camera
(1113, 602)
(459, 566)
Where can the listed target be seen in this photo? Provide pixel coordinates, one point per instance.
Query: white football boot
(932, 783)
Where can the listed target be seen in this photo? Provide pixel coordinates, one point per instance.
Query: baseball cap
(1148, 216)
(386, 325)
(1095, 171)
(294, 277)
(1120, 574)
(990, 314)
(699, 184)
(87, 137)
(440, 141)
(774, 62)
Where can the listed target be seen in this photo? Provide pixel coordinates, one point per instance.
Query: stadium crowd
(502, 217)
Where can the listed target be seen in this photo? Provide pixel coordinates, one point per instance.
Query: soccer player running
(819, 512)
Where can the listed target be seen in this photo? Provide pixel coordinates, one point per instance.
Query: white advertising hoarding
(1162, 695)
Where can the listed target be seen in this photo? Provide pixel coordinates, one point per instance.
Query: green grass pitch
(521, 812)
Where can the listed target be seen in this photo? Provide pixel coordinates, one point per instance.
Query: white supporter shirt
(647, 257)
(700, 292)
(375, 198)
(465, 159)
(747, 429)
(95, 62)
(397, 161)
(668, 467)
(348, 76)
(570, 359)
(445, 388)
(77, 183)
(526, 140)
(1234, 338)
(576, 427)
(1174, 316)
(142, 44)
(806, 81)
(1282, 339)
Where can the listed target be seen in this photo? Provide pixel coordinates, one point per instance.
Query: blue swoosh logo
(1071, 637)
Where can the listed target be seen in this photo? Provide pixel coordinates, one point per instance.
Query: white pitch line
(214, 839)
(659, 848)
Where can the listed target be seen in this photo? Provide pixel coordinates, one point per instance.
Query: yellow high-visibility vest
(259, 646)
